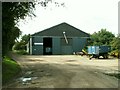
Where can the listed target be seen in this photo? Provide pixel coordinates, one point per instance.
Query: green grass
(117, 75)
(21, 52)
(9, 69)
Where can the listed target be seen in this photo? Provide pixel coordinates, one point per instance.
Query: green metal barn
(62, 39)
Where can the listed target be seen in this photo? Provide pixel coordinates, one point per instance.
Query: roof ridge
(51, 27)
(61, 28)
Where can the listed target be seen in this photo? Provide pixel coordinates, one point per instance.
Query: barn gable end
(59, 39)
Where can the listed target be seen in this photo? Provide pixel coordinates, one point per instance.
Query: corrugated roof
(58, 30)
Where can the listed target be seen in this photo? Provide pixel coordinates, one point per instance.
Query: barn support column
(30, 45)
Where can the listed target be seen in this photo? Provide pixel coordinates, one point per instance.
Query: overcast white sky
(87, 15)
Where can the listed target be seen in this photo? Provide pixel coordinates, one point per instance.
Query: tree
(25, 38)
(116, 43)
(23, 42)
(11, 13)
(102, 37)
(116, 46)
(19, 46)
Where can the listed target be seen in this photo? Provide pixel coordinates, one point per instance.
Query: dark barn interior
(47, 46)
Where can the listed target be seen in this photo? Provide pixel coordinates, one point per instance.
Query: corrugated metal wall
(59, 45)
(78, 44)
(36, 48)
(56, 45)
(66, 48)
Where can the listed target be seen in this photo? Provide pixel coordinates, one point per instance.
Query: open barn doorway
(47, 46)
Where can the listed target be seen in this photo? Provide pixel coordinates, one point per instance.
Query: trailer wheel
(97, 57)
(90, 57)
(105, 56)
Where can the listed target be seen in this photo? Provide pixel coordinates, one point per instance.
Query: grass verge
(21, 52)
(10, 69)
(117, 75)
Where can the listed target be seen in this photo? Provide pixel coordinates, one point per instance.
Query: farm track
(65, 71)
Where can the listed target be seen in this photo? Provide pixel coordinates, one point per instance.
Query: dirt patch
(35, 60)
(46, 74)
(70, 60)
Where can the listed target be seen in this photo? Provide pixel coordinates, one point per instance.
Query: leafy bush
(115, 43)
(19, 46)
(101, 37)
(115, 53)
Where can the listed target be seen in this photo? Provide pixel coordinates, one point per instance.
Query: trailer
(97, 51)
